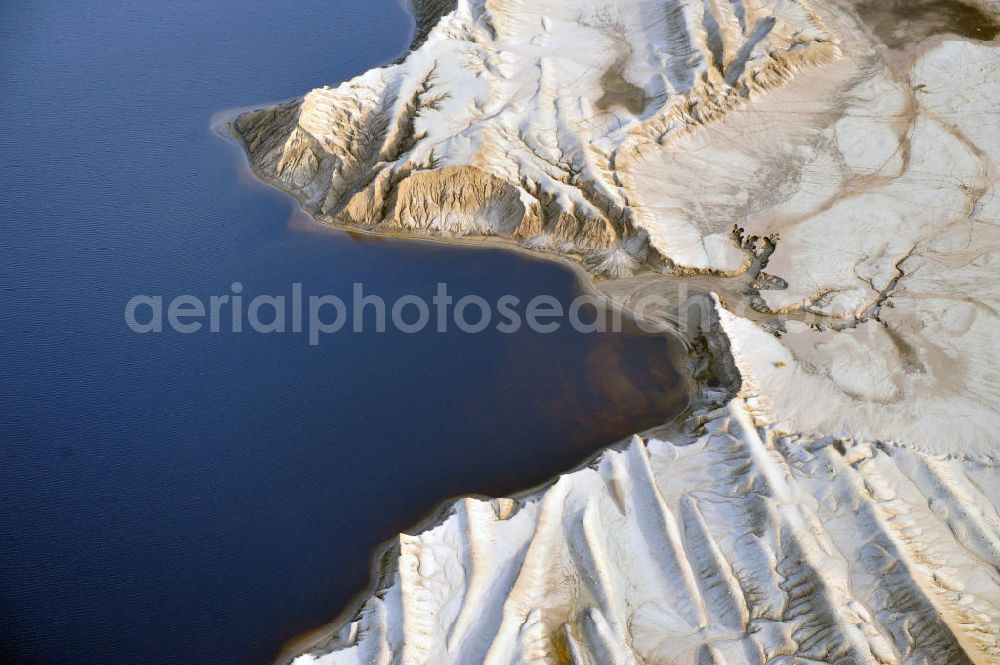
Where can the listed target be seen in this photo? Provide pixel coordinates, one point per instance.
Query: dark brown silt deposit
(902, 23)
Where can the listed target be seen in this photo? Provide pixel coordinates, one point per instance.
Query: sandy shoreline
(222, 126)
(845, 208)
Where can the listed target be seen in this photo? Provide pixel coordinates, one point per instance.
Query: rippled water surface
(203, 498)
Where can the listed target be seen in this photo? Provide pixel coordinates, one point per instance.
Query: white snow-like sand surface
(833, 205)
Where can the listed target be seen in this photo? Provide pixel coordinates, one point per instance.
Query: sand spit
(819, 182)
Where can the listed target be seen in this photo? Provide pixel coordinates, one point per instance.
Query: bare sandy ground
(807, 192)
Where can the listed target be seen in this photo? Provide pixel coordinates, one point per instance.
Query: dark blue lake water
(194, 498)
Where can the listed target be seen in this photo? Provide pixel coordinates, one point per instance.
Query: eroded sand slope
(832, 187)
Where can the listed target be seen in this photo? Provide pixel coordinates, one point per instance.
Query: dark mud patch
(619, 91)
(903, 23)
